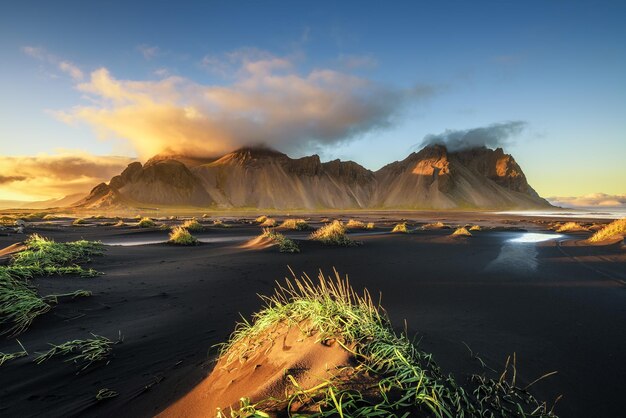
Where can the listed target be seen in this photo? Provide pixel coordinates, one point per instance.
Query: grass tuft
(571, 226)
(181, 236)
(106, 393)
(268, 223)
(435, 225)
(220, 224)
(475, 228)
(79, 221)
(20, 303)
(285, 245)
(192, 225)
(615, 228)
(83, 353)
(146, 223)
(6, 357)
(461, 232)
(333, 233)
(401, 228)
(356, 224)
(295, 224)
(261, 219)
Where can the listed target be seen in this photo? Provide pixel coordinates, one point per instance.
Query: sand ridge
(259, 368)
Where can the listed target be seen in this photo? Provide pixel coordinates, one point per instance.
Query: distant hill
(433, 178)
(42, 204)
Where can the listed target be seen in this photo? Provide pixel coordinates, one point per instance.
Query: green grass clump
(146, 223)
(285, 245)
(192, 225)
(181, 236)
(615, 228)
(46, 253)
(79, 221)
(6, 357)
(83, 353)
(19, 305)
(333, 233)
(400, 228)
(462, 232)
(389, 375)
(295, 224)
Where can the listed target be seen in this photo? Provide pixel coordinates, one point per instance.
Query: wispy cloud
(149, 51)
(267, 100)
(63, 65)
(351, 62)
(491, 136)
(594, 199)
(46, 176)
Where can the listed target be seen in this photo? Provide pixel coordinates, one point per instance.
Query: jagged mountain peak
(261, 177)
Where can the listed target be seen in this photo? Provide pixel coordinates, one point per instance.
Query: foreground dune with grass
(614, 230)
(321, 349)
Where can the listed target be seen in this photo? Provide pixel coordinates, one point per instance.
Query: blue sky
(558, 66)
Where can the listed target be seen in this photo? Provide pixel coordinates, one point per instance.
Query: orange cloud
(267, 102)
(50, 176)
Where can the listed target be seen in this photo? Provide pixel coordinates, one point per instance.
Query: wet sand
(557, 306)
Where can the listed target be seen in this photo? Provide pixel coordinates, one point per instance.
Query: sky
(88, 87)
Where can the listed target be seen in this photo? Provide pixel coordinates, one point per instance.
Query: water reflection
(519, 254)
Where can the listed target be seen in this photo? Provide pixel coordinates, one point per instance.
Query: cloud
(11, 179)
(148, 51)
(49, 176)
(266, 100)
(352, 62)
(65, 66)
(71, 69)
(594, 199)
(492, 136)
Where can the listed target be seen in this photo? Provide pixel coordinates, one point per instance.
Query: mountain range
(257, 177)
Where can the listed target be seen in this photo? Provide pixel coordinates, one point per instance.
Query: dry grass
(192, 225)
(181, 236)
(356, 224)
(461, 232)
(285, 245)
(269, 223)
(146, 223)
(295, 224)
(220, 224)
(79, 221)
(400, 228)
(333, 233)
(571, 226)
(475, 228)
(435, 225)
(614, 229)
(120, 223)
(261, 219)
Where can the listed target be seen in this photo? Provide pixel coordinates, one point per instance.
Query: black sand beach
(558, 306)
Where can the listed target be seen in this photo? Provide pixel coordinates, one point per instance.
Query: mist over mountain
(260, 177)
